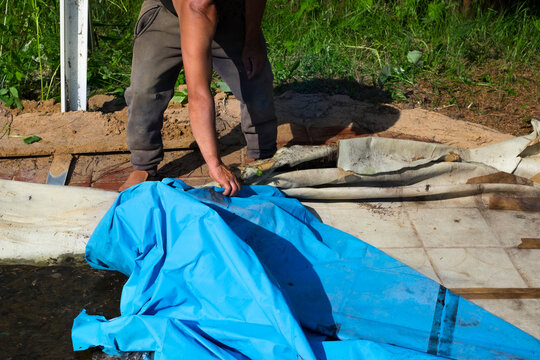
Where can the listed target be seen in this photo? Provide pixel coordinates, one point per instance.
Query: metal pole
(73, 54)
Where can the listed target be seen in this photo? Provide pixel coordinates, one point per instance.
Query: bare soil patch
(493, 95)
(311, 119)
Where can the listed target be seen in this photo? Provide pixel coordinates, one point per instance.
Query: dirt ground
(38, 305)
(494, 95)
(303, 118)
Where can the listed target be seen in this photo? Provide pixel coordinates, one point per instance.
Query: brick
(81, 181)
(33, 176)
(8, 169)
(112, 176)
(82, 168)
(182, 164)
(233, 158)
(111, 180)
(328, 134)
(33, 170)
(292, 134)
(234, 138)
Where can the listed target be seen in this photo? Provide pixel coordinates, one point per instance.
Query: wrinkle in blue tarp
(259, 277)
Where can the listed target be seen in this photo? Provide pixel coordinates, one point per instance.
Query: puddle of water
(38, 305)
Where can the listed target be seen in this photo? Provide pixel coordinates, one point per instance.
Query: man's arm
(198, 22)
(253, 55)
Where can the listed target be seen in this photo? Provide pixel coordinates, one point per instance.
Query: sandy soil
(320, 117)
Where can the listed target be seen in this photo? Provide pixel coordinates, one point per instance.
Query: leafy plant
(414, 57)
(222, 85)
(31, 139)
(180, 96)
(28, 59)
(35, 16)
(11, 97)
(306, 6)
(397, 78)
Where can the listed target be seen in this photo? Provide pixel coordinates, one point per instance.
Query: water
(38, 305)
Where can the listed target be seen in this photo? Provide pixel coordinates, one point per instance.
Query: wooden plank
(498, 293)
(504, 202)
(529, 243)
(500, 177)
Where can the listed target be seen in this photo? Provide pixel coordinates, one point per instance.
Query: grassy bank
(383, 42)
(30, 47)
(314, 45)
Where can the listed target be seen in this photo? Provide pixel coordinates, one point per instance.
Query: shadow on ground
(340, 109)
(354, 89)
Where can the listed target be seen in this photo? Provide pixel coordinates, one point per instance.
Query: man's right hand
(226, 179)
(198, 21)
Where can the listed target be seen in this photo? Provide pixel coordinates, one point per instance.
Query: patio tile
(475, 267)
(511, 226)
(527, 262)
(452, 227)
(382, 225)
(523, 313)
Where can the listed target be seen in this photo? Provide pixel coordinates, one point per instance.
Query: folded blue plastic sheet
(259, 277)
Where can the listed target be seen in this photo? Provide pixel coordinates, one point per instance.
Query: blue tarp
(259, 277)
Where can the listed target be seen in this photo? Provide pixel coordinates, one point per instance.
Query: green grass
(109, 62)
(314, 45)
(360, 40)
(30, 46)
(29, 49)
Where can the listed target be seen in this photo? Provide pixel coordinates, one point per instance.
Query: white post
(73, 53)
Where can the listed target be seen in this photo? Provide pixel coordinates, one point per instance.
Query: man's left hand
(253, 57)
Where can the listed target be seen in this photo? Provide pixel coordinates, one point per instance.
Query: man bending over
(199, 34)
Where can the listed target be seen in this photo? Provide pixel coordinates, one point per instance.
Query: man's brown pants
(157, 61)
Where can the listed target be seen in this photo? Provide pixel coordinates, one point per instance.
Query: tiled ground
(464, 245)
